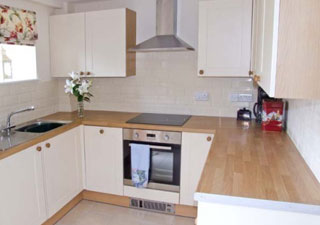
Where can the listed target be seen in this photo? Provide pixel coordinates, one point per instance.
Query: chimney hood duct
(166, 38)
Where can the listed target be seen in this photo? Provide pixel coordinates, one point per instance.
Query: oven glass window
(162, 166)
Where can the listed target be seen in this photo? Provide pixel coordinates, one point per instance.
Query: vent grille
(152, 206)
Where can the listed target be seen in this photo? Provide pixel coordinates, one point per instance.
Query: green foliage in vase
(79, 87)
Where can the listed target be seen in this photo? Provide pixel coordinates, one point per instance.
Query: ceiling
(62, 1)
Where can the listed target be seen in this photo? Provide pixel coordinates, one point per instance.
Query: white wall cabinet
(104, 159)
(224, 44)
(93, 43)
(67, 44)
(22, 198)
(62, 160)
(265, 43)
(285, 53)
(194, 153)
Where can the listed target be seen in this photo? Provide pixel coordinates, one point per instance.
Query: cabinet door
(63, 169)
(265, 43)
(67, 44)
(224, 38)
(106, 43)
(103, 153)
(195, 149)
(22, 198)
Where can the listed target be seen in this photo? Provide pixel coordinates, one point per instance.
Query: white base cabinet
(62, 160)
(194, 153)
(104, 159)
(22, 198)
(37, 182)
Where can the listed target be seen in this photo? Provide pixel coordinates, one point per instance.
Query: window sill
(18, 81)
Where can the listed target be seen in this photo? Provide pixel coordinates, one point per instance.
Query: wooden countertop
(243, 161)
(259, 165)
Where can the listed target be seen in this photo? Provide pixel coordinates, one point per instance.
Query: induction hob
(160, 119)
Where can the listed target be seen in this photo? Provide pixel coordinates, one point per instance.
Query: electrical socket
(236, 97)
(202, 96)
(245, 98)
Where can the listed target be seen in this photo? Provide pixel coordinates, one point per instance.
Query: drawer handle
(39, 149)
(201, 72)
(209, 138)
(101, 131)
(48, 145)
(81, 73)
(88, 73)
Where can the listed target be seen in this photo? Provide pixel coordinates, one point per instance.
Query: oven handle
(167, 148)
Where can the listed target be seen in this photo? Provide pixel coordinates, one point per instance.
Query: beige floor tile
(93, 213)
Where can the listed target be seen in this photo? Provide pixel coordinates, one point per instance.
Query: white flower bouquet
(79, 87)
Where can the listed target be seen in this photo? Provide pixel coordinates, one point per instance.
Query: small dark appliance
(244, 114)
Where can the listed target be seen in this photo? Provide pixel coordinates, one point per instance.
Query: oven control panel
(168, 137)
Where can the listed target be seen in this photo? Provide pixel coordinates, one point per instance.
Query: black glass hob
(160, 119)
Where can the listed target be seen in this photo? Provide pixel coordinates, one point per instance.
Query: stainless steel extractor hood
(166, 39)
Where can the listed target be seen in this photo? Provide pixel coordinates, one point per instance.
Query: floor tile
(94, 213)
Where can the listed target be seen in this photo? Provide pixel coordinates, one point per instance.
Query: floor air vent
(152, 206)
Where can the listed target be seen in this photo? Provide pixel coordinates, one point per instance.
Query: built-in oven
(165, 157)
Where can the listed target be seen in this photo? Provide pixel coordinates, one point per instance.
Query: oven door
(164, 171)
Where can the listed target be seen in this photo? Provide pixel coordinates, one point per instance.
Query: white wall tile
(165, 83)
(304, 130)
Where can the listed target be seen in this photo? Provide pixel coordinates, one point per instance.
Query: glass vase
(80, 109)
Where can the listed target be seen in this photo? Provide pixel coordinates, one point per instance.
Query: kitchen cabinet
(22, 198)
(285, 56)
(67, 44)
(194, 153)
(224, 43)
(93, 43)
(104, 159)
(62, 162)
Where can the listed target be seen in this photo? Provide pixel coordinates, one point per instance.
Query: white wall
(146, 13)
(304, 130)
(165, 82)
(40, 93)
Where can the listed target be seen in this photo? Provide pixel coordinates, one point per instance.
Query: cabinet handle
(256, 78)
(48, 145)
(39, 149)
(209, 138)
(101, 131)
(81, 73)
(88, 73)
(201, 72)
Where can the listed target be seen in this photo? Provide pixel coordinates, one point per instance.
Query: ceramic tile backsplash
(165, 83)
(304, 130)
(14, 96)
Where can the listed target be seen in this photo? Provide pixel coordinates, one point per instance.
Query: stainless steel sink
(28, 131)
(41, 126)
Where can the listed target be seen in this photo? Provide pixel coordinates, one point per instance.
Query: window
(18, 36)
(17, 63)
